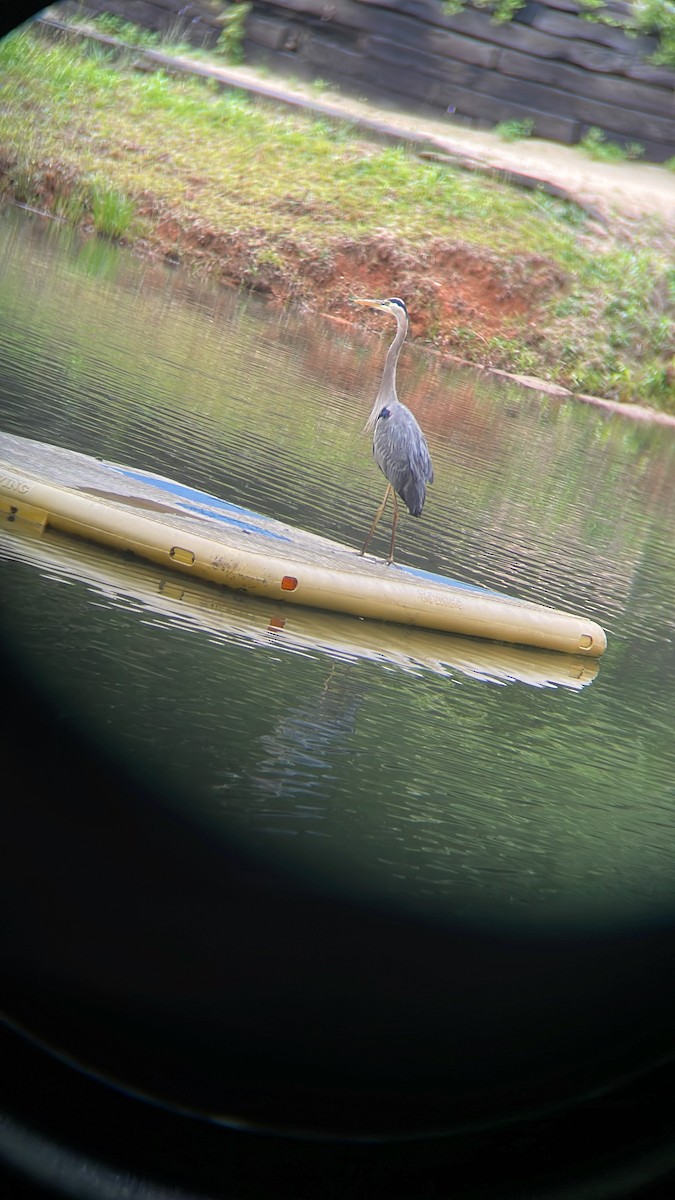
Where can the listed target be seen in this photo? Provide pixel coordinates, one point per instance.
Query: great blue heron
(399, 446)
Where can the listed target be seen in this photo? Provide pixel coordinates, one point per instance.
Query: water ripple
(373, 768)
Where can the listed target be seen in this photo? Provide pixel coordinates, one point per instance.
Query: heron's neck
(387, 392)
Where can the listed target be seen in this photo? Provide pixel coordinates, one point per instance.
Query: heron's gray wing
(402, 455)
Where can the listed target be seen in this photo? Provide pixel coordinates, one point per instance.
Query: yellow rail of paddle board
(254, 620)
(267, 558)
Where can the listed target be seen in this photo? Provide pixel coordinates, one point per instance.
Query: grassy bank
(309, 210)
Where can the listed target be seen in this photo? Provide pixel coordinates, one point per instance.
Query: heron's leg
(378, 514)
(393, 527)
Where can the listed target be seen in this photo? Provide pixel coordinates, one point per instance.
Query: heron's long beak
(366, 303)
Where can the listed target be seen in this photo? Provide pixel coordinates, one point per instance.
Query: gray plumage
(401, 453)
(399, 446)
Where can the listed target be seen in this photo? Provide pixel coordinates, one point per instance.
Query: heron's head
(394, 306)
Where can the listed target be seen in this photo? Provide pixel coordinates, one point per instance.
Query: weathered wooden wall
(548, 65)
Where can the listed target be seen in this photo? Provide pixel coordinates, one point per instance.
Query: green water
(443, 788)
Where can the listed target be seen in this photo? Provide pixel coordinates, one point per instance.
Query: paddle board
(228, 617)
(197, 534)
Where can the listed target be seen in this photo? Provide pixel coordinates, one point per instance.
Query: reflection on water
(377, 760)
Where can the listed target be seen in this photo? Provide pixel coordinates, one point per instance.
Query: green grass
(514, 130)
(232, 34)
(595, 144)
(124, 143)
(112, 212)
(126, 31)
(88, 104)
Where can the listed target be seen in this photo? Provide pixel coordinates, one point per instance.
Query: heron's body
(400, 451)
(399, 446)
